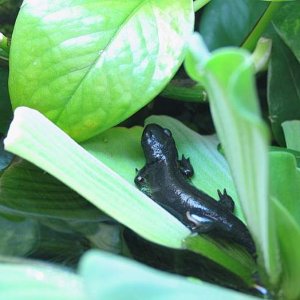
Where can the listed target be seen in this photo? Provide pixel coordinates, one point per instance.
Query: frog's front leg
(200, 224)
(226, 201)
(185, 167)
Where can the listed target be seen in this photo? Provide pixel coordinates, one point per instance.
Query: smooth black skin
(165, 179)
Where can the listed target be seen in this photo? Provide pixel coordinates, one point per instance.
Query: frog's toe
(225, 200)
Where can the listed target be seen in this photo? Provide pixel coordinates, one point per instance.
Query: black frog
(166, 180)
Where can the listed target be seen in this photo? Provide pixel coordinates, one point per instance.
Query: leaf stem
(198, 4)
(260, 27)
(184, 90)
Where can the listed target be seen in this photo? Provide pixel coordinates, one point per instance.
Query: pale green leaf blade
(291, 131)
(124, 279)
(27, 280)
(36, 139)
(92, 64)
(228, 77)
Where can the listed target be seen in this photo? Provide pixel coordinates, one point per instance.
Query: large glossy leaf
(63, 158)
(124, 279)
(283, 86)
(5, 106)
(228, 23)
(87, 65)
(287, 24)
(227, 75)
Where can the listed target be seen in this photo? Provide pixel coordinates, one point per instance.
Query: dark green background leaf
(5, 106)
(227, 23)
(283, 85)
(5, 157)
(26, 189)
(19, 236)
(287, 24)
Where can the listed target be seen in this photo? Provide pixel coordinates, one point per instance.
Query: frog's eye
(167, 132)
(140, 179)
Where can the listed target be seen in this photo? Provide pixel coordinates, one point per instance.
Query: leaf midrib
(122, 25)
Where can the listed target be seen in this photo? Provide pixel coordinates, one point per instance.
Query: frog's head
(158, 143)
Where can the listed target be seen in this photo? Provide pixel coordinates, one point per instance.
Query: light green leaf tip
(261, 54)
(291, 131)
(227, 75)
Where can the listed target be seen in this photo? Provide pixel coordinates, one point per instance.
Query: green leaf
(120, 276)
(35, 138)
(296, 154)
(288, 231)
(220, 25)
(120, 56)
(292, 134)
(227, 75)
(285, 182)
(5, 106)
(28, 190)
(287, 24)
(283, 86)
(284, 193)
(28, 280)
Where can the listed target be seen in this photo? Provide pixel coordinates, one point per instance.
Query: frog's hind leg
(200, 224)
(226, 201)
(186, 167)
